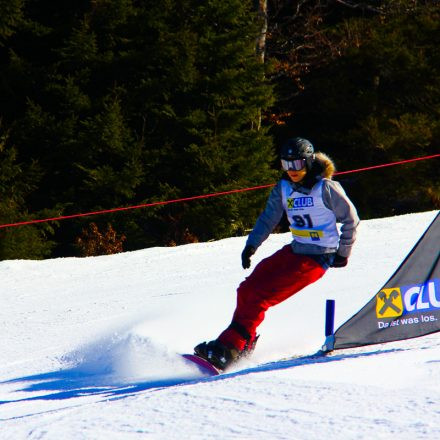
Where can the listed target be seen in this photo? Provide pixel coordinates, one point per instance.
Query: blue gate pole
(329, 317)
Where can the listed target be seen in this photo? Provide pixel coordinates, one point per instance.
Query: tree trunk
(261, 7)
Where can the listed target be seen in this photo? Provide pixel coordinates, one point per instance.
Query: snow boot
(217, 354)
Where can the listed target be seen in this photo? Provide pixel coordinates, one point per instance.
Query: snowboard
(204, 366)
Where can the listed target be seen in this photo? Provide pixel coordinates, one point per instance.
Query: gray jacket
(334, 198)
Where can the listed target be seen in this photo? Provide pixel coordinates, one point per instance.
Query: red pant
(273, 280)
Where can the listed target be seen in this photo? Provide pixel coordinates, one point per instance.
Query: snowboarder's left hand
(339, 261)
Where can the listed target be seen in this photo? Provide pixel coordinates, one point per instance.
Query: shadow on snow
(71, 383)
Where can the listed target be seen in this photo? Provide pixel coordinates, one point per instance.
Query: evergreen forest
(116, 103)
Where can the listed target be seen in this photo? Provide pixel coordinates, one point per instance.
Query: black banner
(407, 306)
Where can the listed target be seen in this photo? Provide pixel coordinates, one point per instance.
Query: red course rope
(204, 196)
(388, 164)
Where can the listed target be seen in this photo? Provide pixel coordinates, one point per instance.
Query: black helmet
(298, 148)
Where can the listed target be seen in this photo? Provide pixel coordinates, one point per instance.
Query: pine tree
(204, 120)
(11, 14)
(16, 182)
(113, 169)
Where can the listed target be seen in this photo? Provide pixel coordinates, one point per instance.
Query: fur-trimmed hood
(323, 166)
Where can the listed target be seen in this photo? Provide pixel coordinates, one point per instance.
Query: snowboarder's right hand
(246, 255)
(339, 261)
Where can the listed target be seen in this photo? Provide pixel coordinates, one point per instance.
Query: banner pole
(329, 325)
(329, 317)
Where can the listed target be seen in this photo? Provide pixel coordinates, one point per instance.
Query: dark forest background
(108, 103)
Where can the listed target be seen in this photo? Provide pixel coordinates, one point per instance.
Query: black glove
(246, 255)
(339, 261)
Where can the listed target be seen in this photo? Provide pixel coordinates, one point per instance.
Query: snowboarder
(313, 204)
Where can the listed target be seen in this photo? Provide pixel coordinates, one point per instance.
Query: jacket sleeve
(337, 200)
(268, 219)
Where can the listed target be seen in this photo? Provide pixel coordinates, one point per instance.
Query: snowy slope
(88, 349)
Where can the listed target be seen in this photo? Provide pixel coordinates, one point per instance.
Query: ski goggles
(293, 165)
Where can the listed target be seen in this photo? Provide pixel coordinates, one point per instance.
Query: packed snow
(90, 347)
